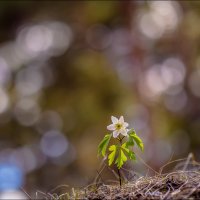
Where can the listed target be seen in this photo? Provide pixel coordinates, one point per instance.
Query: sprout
(122, 151)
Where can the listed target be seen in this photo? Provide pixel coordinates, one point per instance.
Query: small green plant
(122, 151)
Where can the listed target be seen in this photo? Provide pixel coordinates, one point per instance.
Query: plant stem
(118, 170)
(120, 179)
(120, 140)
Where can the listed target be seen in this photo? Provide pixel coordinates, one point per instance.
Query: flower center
(118, 126)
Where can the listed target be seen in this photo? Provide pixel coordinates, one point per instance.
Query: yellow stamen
(118, 126)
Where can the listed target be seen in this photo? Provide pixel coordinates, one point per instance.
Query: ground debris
(175, 185)
(182, 183)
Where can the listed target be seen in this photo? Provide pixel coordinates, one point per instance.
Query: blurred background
(66, 67)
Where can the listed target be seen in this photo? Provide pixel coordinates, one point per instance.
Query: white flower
(118, 126)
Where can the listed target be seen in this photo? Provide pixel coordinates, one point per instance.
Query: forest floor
(182, 183)
(175, 185)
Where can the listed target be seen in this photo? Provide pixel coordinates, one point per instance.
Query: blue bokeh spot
(11, 177)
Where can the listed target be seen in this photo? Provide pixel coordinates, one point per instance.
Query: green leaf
(124, 146)
(130, 142)
(111, 157)
(104, 144)
(138, 141)
(131, 154)
(121, 159)
(136, 138)
(131, 131)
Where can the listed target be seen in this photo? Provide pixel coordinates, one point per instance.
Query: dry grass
(182, 183)
(175, 185)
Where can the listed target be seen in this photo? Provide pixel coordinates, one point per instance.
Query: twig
(190, 156)
(193, 190)
(147, 165)
(26, 193)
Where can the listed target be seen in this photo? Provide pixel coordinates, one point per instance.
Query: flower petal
(121, 119)
(111, 127)
(125, 124)
(115, 134)
(124, 132)
(114, 119)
